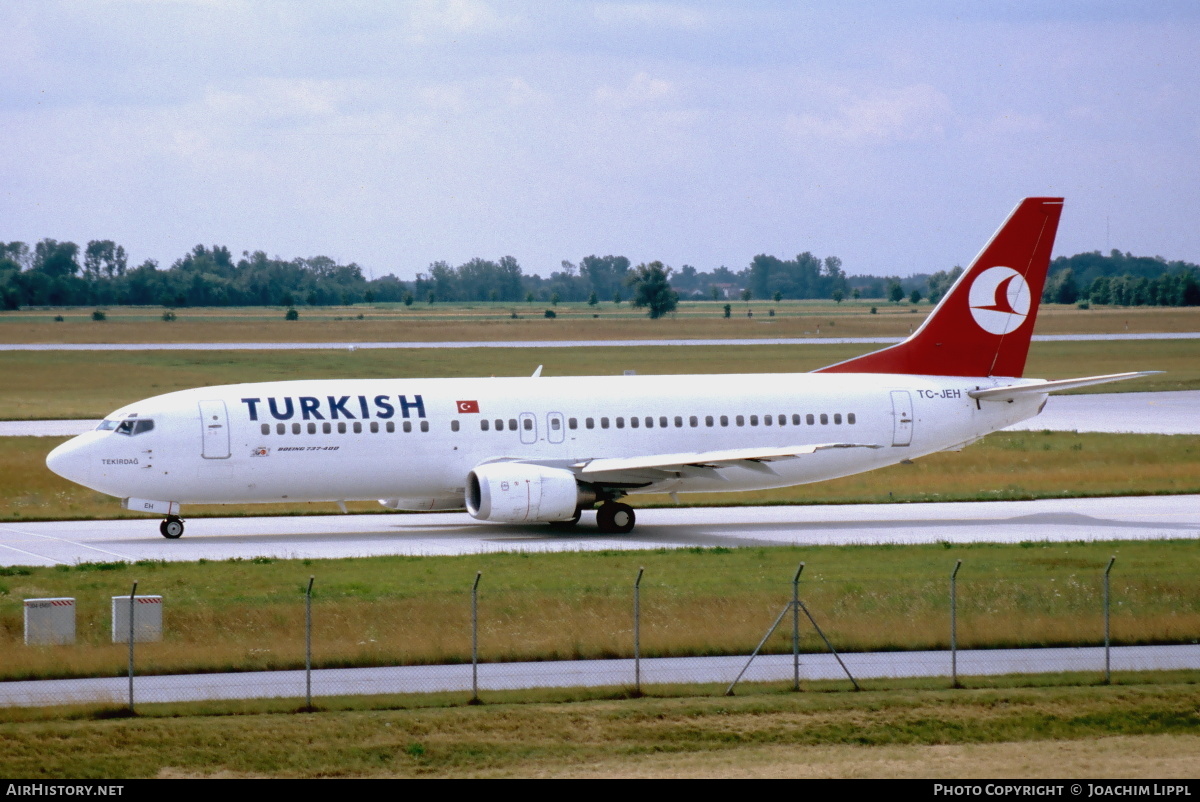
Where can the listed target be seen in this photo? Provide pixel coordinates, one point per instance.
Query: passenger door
(214, 425)
(902, 418)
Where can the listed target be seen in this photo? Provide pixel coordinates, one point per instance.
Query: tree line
(54, 273)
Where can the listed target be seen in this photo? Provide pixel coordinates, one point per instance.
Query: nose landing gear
(172, 527)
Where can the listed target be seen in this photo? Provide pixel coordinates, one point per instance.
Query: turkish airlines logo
(999, 300)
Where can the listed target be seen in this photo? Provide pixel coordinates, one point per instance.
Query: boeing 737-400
(546, 449)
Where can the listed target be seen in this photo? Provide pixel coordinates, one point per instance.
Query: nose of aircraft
(69, 461)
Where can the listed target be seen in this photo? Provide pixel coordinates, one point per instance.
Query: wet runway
(319, 537)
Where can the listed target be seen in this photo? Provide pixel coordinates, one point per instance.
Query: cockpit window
(131, 426)
(106, 426)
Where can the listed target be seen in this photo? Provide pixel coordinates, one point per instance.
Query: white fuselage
(407, 441)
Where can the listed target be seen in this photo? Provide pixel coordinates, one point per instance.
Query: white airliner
(544, 449)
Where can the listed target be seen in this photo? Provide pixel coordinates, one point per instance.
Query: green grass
(568, 733)
(248, 614)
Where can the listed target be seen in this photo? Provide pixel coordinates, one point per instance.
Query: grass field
(576, 321)
(248, 614)
(72, 384)
(1141, 728)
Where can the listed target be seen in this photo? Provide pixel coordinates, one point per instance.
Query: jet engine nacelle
(516, 492)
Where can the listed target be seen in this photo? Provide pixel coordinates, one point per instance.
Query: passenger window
(407, 426)
(341, 427)
(295, 428)
(810, 419)
(662, 421)
(528, 424)
(512, 424)
(483, 424)
(741, 421)
(766, 420)
(604, 423)
(266, 428)
(693, 421)
(374, 427)
(795, 420)
(824, 419)
(837, 417)
(555, 424)
(620, 422)
(634, 423)
(357, 427)
(724, 420)
(391, 426)
(327, 427)
(312, 428)
(649, 422)
(678, 422)
(454, 425)
(590, 423)
(850, 418)
(499, 425)
(753, 420)
(281, 428)
(708, 420)
(572, 424)
(424, 425)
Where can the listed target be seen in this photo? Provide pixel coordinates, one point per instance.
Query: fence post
(954, 625)
(1107, 631)
(308, 645)
(796, 628)
(475, 639)
(637, 633)
(132, 594)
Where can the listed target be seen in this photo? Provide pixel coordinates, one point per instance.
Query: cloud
(918, 112)
(642, 90)
(653, 15)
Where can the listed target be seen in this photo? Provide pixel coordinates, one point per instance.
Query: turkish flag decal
(468, 406)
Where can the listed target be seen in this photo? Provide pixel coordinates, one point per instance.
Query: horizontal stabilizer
(742, 457)
(1012, 391)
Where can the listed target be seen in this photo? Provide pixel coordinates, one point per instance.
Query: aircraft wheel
(615, 518)
(567, 523)
(172, 528)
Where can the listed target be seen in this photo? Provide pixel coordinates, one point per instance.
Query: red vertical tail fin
(983, 325)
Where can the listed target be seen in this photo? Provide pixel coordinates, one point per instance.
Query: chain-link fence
(638, 635)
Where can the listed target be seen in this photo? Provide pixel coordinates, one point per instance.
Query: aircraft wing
(1012, 391)
(752, 458)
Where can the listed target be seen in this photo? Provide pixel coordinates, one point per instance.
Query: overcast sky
(896, 136)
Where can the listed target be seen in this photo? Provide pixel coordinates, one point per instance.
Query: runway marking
(31, 554)
(65, 540)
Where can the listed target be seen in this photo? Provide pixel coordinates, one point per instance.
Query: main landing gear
(615, 518)
(172, 528)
